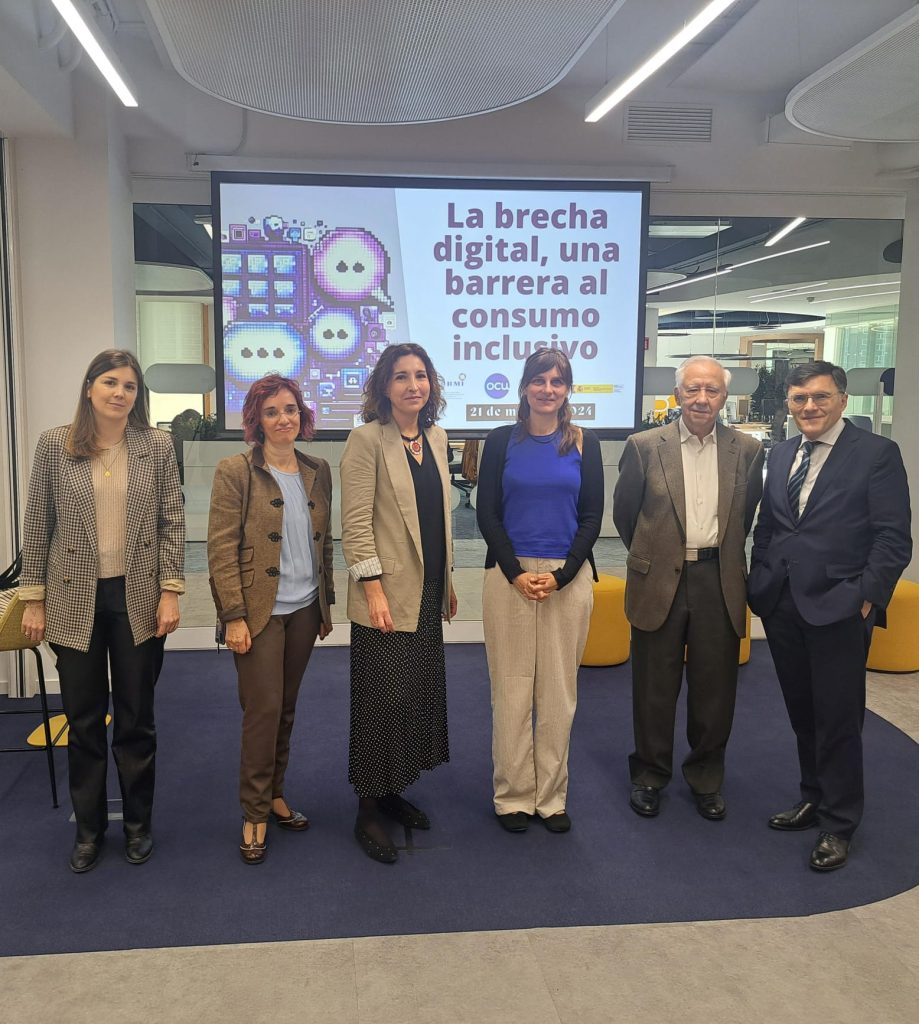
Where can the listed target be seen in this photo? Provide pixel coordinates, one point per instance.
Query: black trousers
(821, 670)
(698, 623)
(84, 680)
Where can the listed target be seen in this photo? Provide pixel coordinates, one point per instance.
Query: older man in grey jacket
(683, 505)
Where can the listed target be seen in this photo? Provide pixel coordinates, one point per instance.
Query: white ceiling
(368, 60)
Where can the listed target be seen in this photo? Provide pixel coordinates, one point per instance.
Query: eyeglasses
(820, 399)
(693, 391)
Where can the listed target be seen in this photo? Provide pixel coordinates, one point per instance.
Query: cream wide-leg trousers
(534, 650)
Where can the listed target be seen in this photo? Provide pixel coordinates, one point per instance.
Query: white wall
(75, 255)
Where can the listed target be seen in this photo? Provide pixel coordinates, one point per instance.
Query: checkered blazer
(59, 548)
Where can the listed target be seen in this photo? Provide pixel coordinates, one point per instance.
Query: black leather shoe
(85, 856)
(830, 852)
(385, 854)
(137, 849)
(514, 821)
(393, 806)
(800, 817)
(646, 801)
(558, 822)
(710, 805)
(294, 822)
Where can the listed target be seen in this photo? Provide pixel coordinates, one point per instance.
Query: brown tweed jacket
(649, 510)
(59, 546)
(244, 536)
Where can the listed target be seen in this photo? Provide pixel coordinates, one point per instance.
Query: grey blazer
(59, 546)
(380, 531)
(649, 510)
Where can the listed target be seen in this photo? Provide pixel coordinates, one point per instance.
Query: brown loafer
(294, 822)
(253, 852)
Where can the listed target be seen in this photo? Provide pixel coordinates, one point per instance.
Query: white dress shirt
(700, 482)
(823, 445)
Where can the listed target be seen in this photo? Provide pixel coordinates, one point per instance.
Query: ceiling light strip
(850, 298)
(775, 255)
(798, 289)
(734, 266)
(787, 230)
(609, 96)
(90, 39)
(690, 280)
(820, 291)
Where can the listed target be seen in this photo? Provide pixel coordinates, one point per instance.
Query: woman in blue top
(540, 502)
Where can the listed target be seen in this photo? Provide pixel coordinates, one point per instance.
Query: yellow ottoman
(608, 637)
(896, 649)
(745, 643)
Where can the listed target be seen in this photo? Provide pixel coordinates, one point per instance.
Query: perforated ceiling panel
(870, 93)
(373, 62)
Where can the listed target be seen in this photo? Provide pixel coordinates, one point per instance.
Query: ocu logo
(497, 386)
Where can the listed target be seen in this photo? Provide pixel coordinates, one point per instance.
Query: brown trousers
(698, 622)
(269, 681)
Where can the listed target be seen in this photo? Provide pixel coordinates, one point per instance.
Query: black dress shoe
(558, 822)
(294, 822)
(710, 805)
(514, 821)
(830, 852)
(646, 801)
(393, 806)
(85, 856)
(137, 849)
(800, 817)
(385, 853)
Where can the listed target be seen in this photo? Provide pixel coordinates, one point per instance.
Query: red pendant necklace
(414, 443)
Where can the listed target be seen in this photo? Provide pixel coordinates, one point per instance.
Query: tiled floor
(857, 966)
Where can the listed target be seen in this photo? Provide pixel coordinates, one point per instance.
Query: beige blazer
(59, 537)
(649, 510)
(244, 536)
(380, 531)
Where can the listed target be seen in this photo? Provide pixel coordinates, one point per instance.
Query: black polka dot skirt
(398, 701)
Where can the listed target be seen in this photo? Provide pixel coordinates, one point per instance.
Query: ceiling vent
(668, 124)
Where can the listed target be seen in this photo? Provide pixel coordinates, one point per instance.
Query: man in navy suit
(832, 539)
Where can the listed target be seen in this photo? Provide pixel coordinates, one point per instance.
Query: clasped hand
(536, 586)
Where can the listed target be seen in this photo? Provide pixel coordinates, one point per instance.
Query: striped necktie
(796, 480)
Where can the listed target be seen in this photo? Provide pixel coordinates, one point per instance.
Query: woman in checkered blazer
(103, 565)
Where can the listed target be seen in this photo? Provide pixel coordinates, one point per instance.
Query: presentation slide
(318, 275)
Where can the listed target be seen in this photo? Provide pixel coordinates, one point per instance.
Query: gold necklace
(107, 466)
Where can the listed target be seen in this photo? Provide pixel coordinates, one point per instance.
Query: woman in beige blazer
(102, 566)
(396, 537)
(270, 554)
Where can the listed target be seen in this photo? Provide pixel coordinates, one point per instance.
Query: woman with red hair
(269, 549)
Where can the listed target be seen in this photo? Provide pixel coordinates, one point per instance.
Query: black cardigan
(490, 500)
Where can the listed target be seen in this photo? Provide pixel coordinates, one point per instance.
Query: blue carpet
(466, 873)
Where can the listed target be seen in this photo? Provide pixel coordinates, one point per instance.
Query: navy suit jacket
(853, 540)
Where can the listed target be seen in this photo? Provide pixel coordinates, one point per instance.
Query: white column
(905, 431)
(74, 266)
(75, 257)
